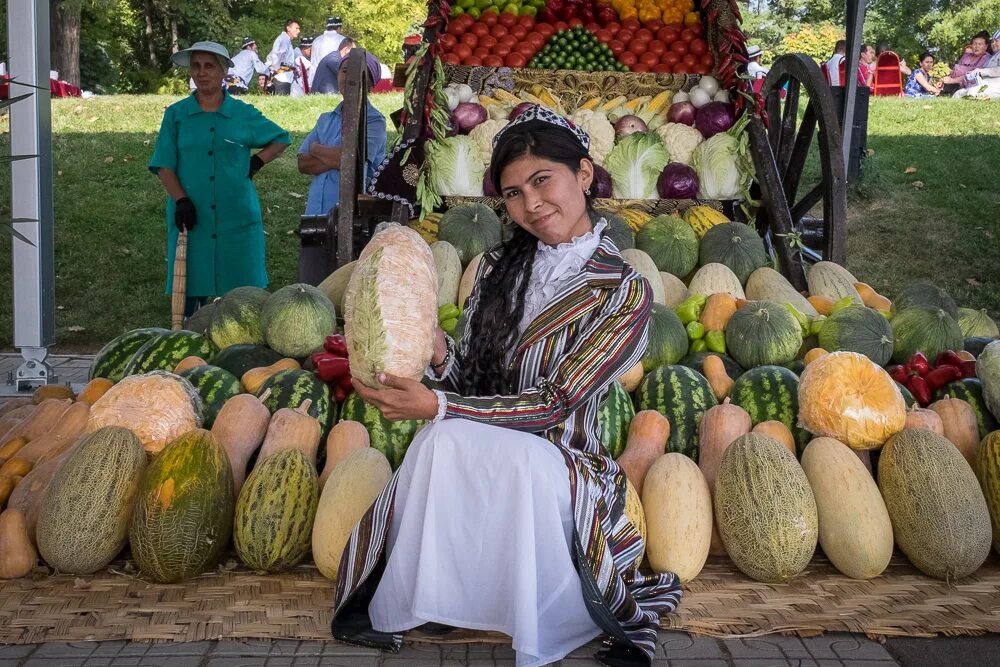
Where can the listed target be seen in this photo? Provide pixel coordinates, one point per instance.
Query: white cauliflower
(600, 129)
(680, 140)
(483, 135)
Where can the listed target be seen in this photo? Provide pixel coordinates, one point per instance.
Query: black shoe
(435, 629)
(623, 655)
(355, 627)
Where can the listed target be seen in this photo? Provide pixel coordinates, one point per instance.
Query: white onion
(465, 93)
(680, 97)
(721, 96)
(709, 84)
(700, 97)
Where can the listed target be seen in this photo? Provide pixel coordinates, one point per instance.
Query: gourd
(813, 354)
(718, 378)
(94, 390)
(346, 437)
(674, 289)
(647, 441)
(822, 304)
(718, 309)
(16, 467)
(41, 420)
(12, 404)
(292, 429)
(468, 281)
(959, 424)
(871, 298)
(12, 447)
(70, 426)
(777, 430)
(17, 553)
(255, 378)
(720, 426)
(48, 391)
(678, 508)
(918, 417)
(29, 494)
(7, 485)
(240, 428)
(13, 419)
(632, 377)
(189, 362)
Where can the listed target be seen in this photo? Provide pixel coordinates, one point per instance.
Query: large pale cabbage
(600, 129)
(390, 308)
(724, 164)
(680, 141)
(456, 166)
(635, 165)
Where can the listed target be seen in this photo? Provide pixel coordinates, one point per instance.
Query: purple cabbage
(677, 181)
(601, 187)
(714, 118)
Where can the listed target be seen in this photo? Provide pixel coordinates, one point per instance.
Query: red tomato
(535, 39)
(470, 39)
(527, 21)
(575, 21)
(502, 49)
(526, 49)
(638, 46)
(507, 19)
(592, 27)
(627, 58)
(472, 61)
(687, 34)
(516, 60)
(655, 46)
(463, 51)
(604, 35)
(649, 58)
(662, 68)
(700, 69)
(679, 26)
(561, 25)
(644, 33)
(508, 39)
(679, 47)
(451, 59)
(698, 28)
(447, 41)
(456, 28)
(518, 32)
(479, 29)
(499, 31)
(640, 67)
(481, 52)
(545, 29)
(689, 62)
(625, 35)
(670, 58)
(653, 25)
(708, 60)
(489, 41)
(613, 27)
(631, 24)
(489, 18)
(664, 35)
(698, 46)
(616, 46)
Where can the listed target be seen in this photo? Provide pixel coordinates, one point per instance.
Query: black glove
(185, 216)
(255, 164)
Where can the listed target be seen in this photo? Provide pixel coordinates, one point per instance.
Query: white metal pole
(31, 192)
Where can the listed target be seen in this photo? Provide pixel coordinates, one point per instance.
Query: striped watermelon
(614, 417)
(289, 389)
(771, 393)
(110, 362)
(970, 390)
(236, 318)
(215, 386)
(682, 395)
(238, 359)
(165, 351)
(668, 340)
(272, 528)
(907, 396)
(389, 437)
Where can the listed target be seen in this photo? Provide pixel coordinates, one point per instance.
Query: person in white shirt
(245, 64)
(833, 64)
(281, 59)
(754, 69)
(303, 68)
(328, 42)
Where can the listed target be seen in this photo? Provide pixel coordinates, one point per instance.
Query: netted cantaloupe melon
(765, 509)
(939, 515)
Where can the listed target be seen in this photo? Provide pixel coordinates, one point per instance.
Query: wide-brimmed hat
(247, 41)
(754, 51)
(334, 22)
(183, 58)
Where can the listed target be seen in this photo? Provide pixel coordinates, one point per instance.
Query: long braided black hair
(494, 325)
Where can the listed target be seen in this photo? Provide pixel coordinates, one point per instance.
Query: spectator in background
(245, 63)
(281, 59)
(920, 83)
(970, 60)
(328, 42)
(866, 67)
(754, 69)
(303, 68)
(903, 67)
(325, 71)
(833, 64)
(989, 76)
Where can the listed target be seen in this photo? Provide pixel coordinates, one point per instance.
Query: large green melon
(165, 351)
(762, 333)
(771, 393)
(238, 359)
(939, 515)
(924, 294)
(392, 438)
(291, 388)
(923, 330)
(184, 513)
(236, 318)
(201, 320)
(682, 395)
(297, 319)
(735, 245)
(471, 228)
(111, 360)
(976, 344)
(765, 509)
(988, 371)
(618, 230)
(977, 323)
(671, 243)
(858, 329)
(272, 528)
(614, 417)
(668, 340)
(83, 522)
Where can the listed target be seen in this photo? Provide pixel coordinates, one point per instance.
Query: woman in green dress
(203, 159)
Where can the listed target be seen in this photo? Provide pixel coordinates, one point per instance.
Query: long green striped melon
(765, 509)
(334, 286)
(111, 360)
(84, 518)
(921, 330)
(988, 371)
(670, 243)
(297, 319)
(184, 513)
(988, 469)
(977, 323)
(970, 390)
(449, 271)
(236, 318)
(668, 339)
(939, 515)
(645, 266)
(614, 417)
(390, 310)
(389, 437)
(766, 284)
(832, 281)
(682, 395)
(858, 329)
(924, 294)
(854, 527)
(166, 350)
(273, 525)
(735, 245)
(770, 393)
(238, 359)
(763, 333)
(215, 386)
(471, 229)
(716, 278)
(291, 388)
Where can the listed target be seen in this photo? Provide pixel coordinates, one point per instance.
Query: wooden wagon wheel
(780, 154)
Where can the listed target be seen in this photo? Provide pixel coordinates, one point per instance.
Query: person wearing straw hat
(754, 69)
(204, 162)
(328, 42)
(245, 64)
(303, 67)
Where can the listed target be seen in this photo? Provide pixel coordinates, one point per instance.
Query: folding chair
(888, 79)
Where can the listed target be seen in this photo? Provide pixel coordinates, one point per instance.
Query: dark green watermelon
(238, 359)
(976, 344)
(392, 438)
(215, 386)
(907, 396)
(289, 389)
(682, 395)
(970, 390)
(771, 393)
(668, 339)
(236, 319)
(614, 417)
(618, 230)
(165, 351)
(110, 362)
(696, 360)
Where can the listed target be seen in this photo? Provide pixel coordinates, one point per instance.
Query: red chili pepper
(336, 344)
(948, 358)
(331, 368)
(918, 364)
(969, 369)
(941, 376)
(899, 374)
(345, 383)
(339, 394)
(712, 15)
(918, 387)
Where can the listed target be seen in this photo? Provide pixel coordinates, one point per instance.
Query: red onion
(601, 187)
(627, 125)
(469, 114)
(682, 112)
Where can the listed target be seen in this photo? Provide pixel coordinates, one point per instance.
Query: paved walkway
(72, 369)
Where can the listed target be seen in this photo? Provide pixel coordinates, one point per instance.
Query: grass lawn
(940, 222)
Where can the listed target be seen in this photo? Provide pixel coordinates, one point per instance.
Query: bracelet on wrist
(444, 362)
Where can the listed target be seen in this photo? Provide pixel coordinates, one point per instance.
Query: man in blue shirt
(281, 59)
(245, 63)
(325, 70)
(319, 155)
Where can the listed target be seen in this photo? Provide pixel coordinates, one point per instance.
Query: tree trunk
(174, 45)
(65, 25)
(148, 15)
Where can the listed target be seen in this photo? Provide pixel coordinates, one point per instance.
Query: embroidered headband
(546, 115)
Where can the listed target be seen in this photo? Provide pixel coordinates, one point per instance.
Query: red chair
(888, 78)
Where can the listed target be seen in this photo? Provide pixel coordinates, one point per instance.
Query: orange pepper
(692, 18)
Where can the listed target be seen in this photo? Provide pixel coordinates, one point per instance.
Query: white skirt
(481, 538)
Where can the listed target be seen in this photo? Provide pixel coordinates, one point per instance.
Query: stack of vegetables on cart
(749, 429)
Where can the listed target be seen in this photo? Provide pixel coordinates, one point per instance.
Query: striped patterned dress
(588, 336)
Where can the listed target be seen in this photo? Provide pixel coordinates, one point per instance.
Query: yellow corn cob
(592, 104)
(505, 97)
(660, 102)
(634, 105)
(614, 104)
(487, 101)
(528, 97)
(547, 98)
(656, 121)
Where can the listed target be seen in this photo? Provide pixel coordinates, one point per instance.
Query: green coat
(210, 153)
